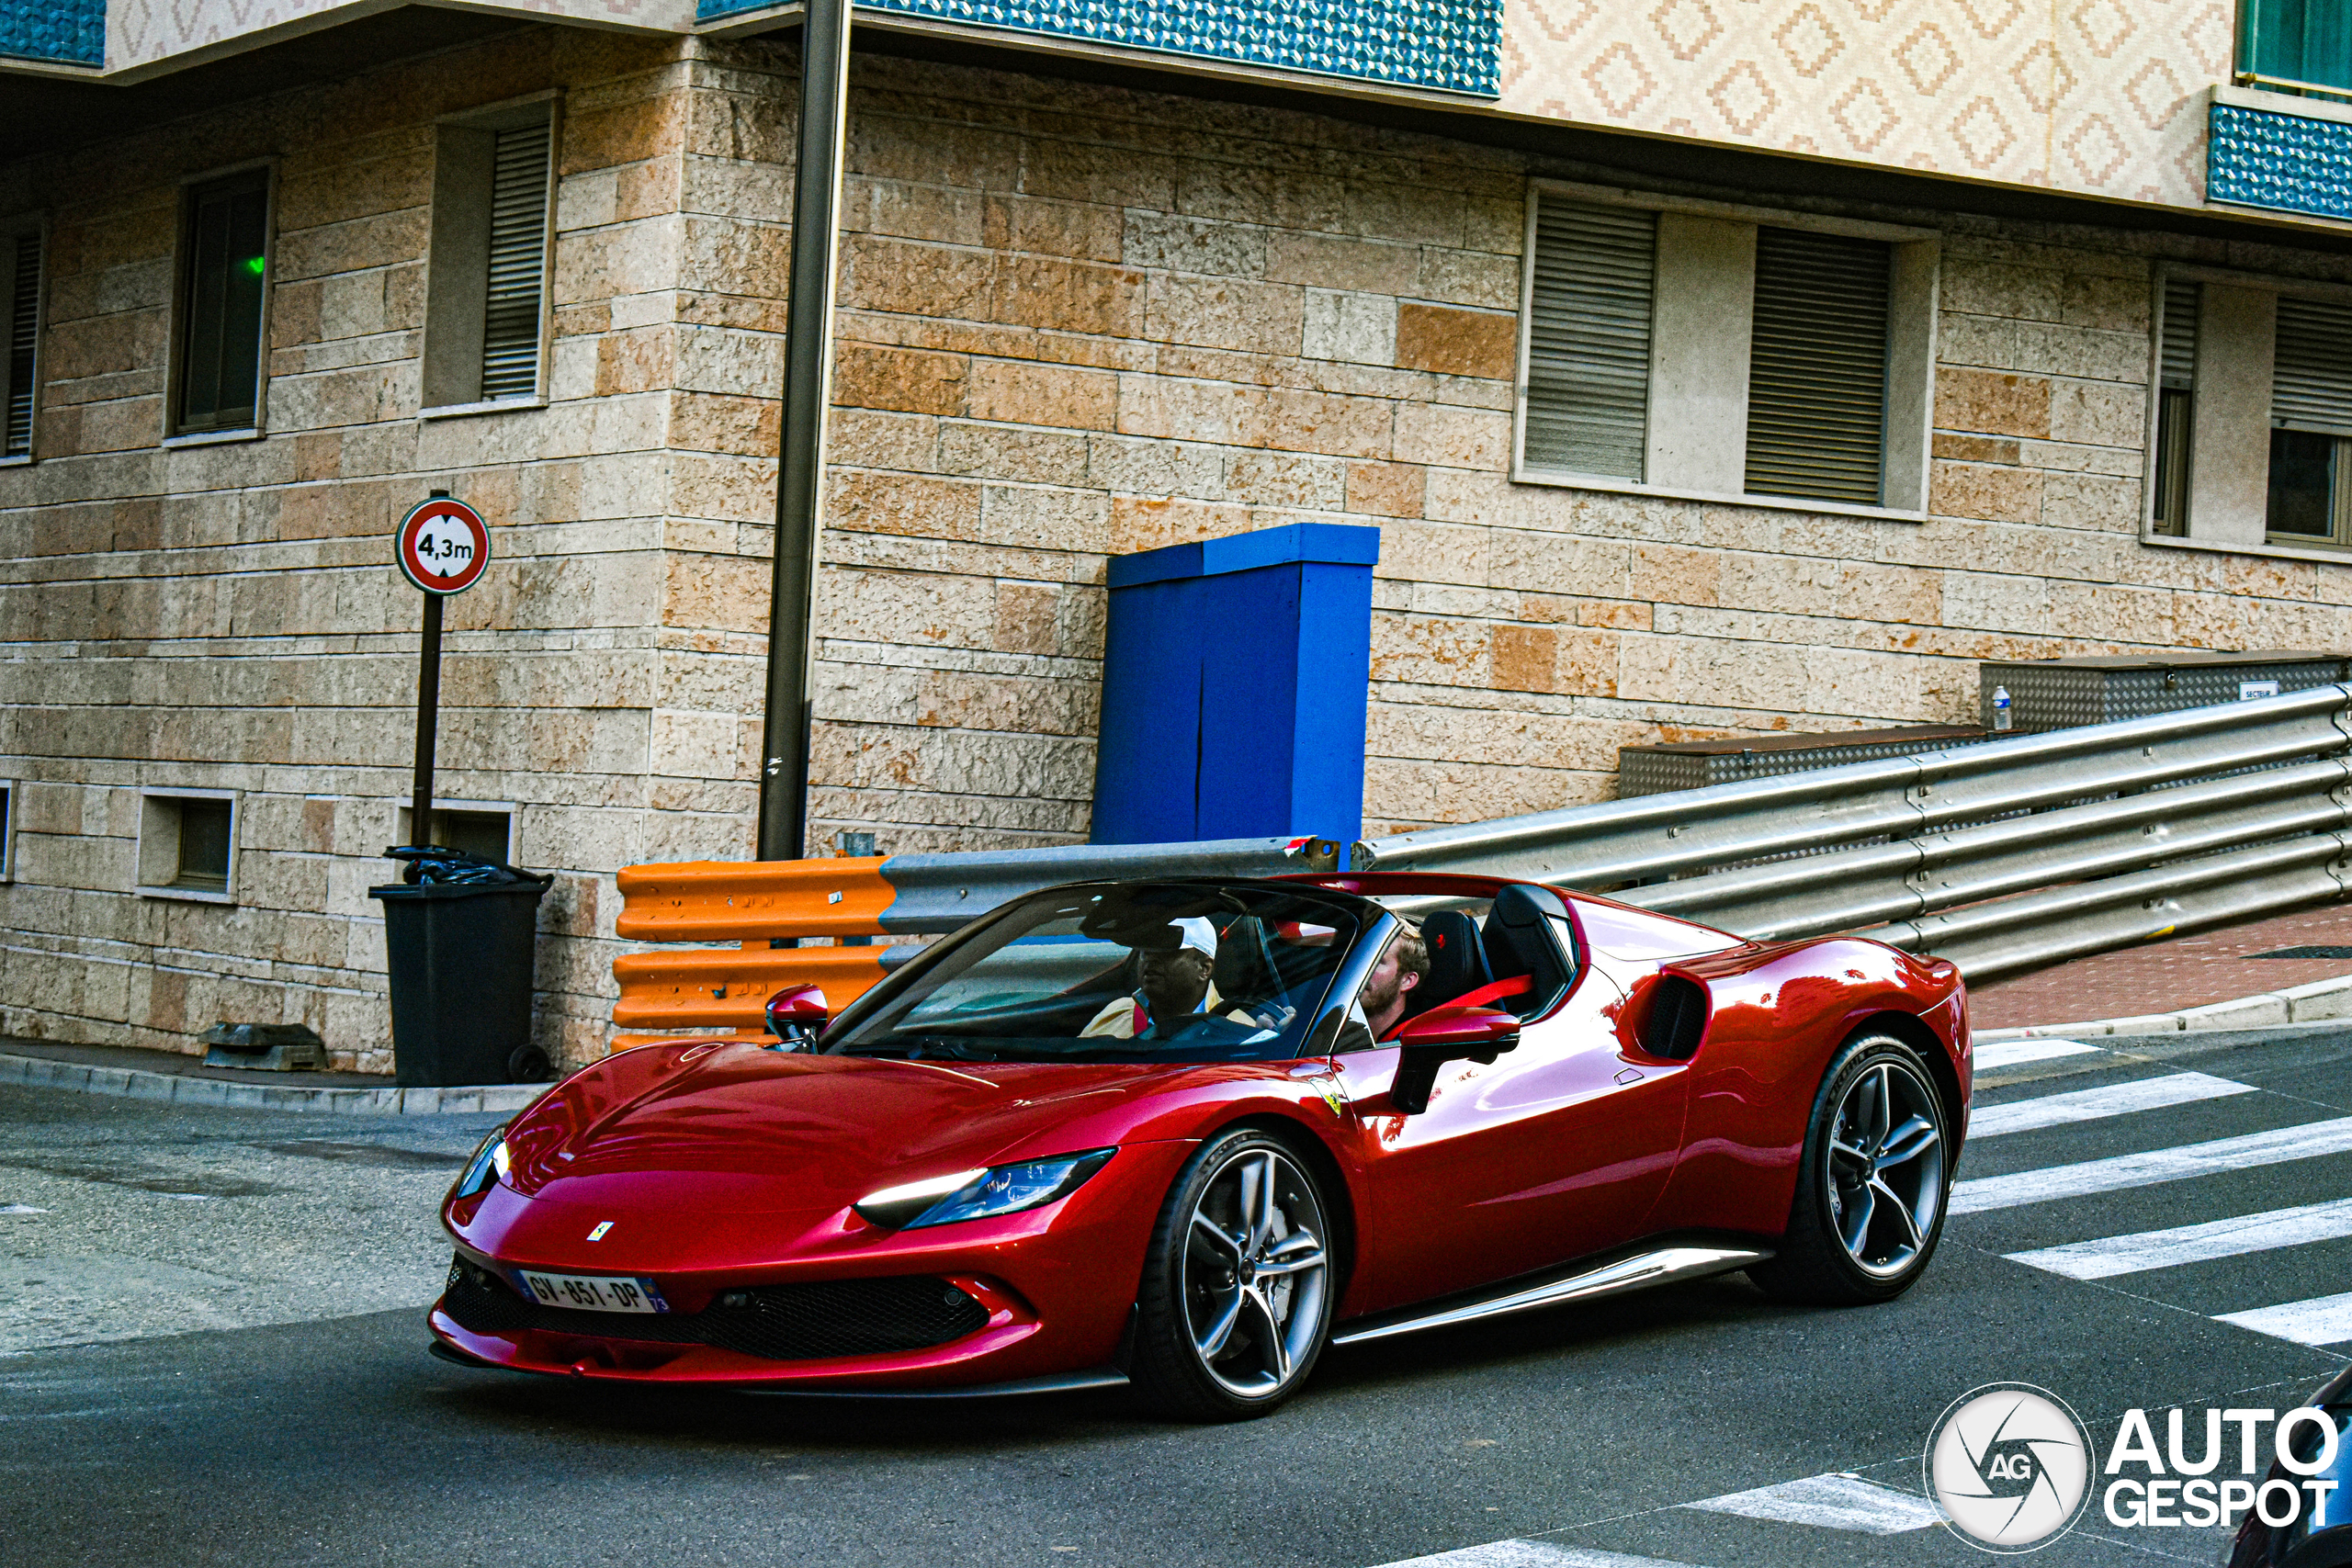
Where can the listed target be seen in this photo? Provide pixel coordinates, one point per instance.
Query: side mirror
(797, 1015)
(1428, 1043)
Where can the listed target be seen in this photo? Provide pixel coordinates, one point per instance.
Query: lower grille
(776, 1323)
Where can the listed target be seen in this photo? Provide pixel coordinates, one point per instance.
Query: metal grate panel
(518, 243)
(1816, 383)
(2060, 694)
(24, 335)
(2311, 387)
(776, 1323)
(1589, 338)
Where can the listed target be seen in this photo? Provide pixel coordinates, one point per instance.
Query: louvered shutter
(2311, 386)
(2178, 356)
(2175, 404)
(1816, 381)
(518, 247)
(1589, 338)
(24, 334)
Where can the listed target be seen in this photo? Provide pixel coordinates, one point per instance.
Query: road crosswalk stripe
(2137, 1253)
(2323, 1320)
(2091, 1104)
(1833, 1502)
(2307, 1141)
(2015, 1053)
(1532, 1554)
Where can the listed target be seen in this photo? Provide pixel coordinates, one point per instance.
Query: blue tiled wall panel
(2286, 161)
(70, 30)
(1455, 45)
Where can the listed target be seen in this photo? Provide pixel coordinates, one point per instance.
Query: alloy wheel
(1886, 1168)
(1256, 1268)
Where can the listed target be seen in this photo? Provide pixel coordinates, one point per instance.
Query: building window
(486, 310)
(187, 844)
(20, 279)
(7, 831)
(1704, 351)
(2311, 422)
(2176, 403)
(2296, 46)
(479, 827)
(224, 278)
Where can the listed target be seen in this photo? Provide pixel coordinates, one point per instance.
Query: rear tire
(1238, 1286)
(1872, 1184)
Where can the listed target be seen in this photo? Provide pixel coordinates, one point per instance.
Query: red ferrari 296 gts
(1183, 1134)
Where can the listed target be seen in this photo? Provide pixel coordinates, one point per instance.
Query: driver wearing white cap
(1175, 983)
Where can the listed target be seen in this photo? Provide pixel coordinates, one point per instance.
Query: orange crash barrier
(725, 991)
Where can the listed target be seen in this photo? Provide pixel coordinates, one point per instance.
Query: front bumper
(1040, 1295)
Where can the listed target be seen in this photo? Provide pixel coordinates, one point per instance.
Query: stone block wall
(1077, 321)
(226, 616)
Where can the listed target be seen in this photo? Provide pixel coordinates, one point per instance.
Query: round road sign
(442, 545)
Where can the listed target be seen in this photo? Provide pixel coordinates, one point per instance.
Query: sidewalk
(184, 1080)
(2217, 966)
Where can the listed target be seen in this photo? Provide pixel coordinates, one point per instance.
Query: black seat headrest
(1457, 960)
(1516, 941)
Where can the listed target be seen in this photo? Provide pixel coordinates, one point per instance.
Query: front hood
(726, 1128)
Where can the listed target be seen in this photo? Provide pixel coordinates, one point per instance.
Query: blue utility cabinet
(1235, 676)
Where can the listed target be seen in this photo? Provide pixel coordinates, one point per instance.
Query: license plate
(595, 1292)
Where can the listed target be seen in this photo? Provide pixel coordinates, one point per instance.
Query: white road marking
(20, 1209)
(2015, 1053)
(1833, 1502)
(2118, 1172)
(2324, 1320)
(2090, 1104)
(1532, 1554)
(2113, 1254)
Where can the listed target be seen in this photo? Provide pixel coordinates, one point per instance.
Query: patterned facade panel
(2094, 95)
(71, 31)
(143, 32)
(2285, 161)
(1452, 45)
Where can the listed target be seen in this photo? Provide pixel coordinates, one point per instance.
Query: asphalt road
(246, 1405)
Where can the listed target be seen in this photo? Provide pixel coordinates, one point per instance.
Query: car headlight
(487, 1165)
(981, 1194)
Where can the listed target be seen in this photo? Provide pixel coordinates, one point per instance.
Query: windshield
(1131, 971)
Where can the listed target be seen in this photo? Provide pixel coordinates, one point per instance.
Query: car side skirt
(1658, 1262)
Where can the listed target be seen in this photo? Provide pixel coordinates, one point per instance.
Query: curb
(2318, 1001)
(133, 1083)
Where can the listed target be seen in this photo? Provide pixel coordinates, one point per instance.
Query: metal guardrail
(1999, 856)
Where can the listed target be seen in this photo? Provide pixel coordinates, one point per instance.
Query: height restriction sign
(442, 545)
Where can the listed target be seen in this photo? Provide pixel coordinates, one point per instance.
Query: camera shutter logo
(2010, 1464)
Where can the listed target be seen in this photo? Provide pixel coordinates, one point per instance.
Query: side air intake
(1676, 1018)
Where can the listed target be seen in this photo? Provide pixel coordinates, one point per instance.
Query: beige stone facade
(1076, 320)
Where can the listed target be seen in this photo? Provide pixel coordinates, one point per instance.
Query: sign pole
(428, 714)
(442, 547)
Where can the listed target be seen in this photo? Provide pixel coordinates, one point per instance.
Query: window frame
(404, 830)
(2282, 546)
(145, 852)
(455, 306)
(183, 257)
(12, 231)
(1901, 392)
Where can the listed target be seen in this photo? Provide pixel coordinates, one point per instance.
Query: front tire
(1871, 1187)
(1239, 1287)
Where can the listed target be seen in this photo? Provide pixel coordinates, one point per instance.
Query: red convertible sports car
(1185, 1133)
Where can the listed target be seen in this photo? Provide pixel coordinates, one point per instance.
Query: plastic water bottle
(2000, 707)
